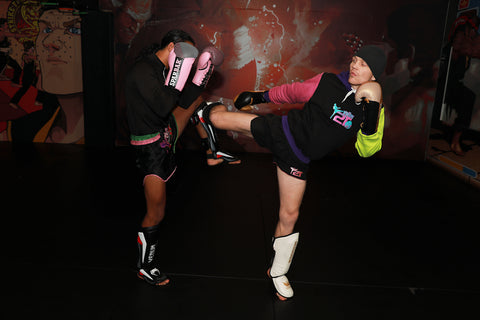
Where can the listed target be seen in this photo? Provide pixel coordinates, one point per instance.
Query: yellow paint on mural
(42, 134)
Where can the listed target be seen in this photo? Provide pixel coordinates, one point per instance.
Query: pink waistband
(146, 141)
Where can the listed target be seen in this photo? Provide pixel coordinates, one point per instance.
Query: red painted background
(269, 43)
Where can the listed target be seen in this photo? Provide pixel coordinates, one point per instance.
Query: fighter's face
(359, 72)
(59, 52)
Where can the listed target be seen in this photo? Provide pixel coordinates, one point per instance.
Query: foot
(214, 161)
(153, 277)
(279, 296)
(455, 147)
(13, 105)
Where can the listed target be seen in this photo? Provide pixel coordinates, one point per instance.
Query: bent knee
(219, 108)
(217, 112)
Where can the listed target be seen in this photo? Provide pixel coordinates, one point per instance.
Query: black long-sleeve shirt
(329, 118)
(148, 101)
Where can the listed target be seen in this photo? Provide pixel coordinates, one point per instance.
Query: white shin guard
(284, 248)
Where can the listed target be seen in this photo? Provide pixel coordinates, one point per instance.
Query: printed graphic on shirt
(344, 118)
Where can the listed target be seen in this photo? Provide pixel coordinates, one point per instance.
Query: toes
(281, 298)
(214, 162)
(164, 282)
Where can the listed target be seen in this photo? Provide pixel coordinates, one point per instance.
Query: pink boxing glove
(180, 62)
(209, 58)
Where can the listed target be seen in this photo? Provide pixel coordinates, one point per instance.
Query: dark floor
(379, 239)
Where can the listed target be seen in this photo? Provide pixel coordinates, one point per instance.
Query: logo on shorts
(343, 118)
(167, 134)
(295, 172)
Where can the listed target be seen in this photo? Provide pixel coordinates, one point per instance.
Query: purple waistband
(291, 141)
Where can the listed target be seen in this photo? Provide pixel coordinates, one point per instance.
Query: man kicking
(337, 107)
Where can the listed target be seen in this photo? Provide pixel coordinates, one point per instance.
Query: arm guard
(371, 112)
(368, 145)
(369, 96)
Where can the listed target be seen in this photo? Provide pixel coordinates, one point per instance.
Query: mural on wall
(455, 135)
(269, 43)
(41, 89)
(464, 62)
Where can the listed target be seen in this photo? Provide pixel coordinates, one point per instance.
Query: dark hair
(2, 21)
(175, 36)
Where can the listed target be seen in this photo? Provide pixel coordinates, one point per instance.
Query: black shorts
(156, 154)
(268, 132)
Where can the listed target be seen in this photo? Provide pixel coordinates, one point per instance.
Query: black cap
(374, 57)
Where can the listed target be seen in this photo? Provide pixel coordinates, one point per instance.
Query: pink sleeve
(296, 92)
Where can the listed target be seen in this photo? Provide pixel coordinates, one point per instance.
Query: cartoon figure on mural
(58, 46)
(59, 86)
(55, 114)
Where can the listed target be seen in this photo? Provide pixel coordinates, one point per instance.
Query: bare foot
(281, 298)
(214, 162)
(457, 149)
(163, 283)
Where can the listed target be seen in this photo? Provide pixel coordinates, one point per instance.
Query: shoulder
(332, 80)
(145, 67)
(329, 77)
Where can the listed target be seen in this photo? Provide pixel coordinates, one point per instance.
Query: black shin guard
(147, 240)
(202, 116)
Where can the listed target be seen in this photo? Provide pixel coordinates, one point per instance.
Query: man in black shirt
(159, 104)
